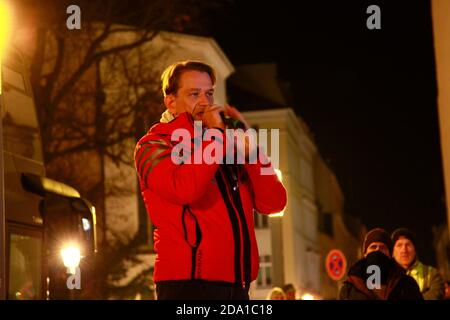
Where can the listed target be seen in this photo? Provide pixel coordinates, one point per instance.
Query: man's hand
(232, 112)
(248, 141)
(250, 145)
(211, 119)
(211, 116)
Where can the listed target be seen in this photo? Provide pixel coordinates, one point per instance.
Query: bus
(45, 225)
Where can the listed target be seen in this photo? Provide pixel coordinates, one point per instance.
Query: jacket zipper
(245, 233)
(234, 220)
(233, 196)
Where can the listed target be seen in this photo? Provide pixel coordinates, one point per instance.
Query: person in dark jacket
(202, 210)
(377, 276)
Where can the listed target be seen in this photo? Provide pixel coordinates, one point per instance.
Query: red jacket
(203, 213)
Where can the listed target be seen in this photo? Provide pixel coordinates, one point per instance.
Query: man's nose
(203, 99)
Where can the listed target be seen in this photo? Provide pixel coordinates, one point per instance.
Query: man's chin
(406, 262)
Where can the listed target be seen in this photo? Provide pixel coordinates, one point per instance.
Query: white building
(441, 31)
(289, 245)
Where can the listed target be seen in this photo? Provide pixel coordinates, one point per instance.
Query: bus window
(25, 267)
(20, 123)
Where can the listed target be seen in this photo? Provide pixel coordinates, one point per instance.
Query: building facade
(441, 29)
(442, 250)
(289, 245)
(337, 230)
(293, 246)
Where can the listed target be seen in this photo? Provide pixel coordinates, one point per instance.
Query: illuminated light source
(307, 296)
(71, 257)
(5, 32)
(86, 224)
(94, 223)
(5, 25)
(280, 177)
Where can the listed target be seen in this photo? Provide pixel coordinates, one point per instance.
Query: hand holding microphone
(233, 118)
(214, 116)
(211, 116)
(227, 117)
(231, 123)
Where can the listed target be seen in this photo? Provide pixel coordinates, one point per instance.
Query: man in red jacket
(203, 211)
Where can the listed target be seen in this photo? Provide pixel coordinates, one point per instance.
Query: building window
(261, 220)
(265, 272)
(326, 223)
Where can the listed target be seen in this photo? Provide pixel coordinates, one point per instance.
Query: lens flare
(71, 257)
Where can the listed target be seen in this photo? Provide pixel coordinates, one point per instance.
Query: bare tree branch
(88, 60)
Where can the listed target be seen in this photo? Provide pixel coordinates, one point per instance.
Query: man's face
(404, 252)
(195, 92)
(378, 246)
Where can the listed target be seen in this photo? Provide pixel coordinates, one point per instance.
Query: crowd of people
(401, 275)
(389, 269)
(287, 292)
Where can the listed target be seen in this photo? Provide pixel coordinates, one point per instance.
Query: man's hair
(170, 78)
(288, 287)
(406, 233)
(275, 290)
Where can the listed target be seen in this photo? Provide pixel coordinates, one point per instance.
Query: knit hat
(403, 232)
(377, 235)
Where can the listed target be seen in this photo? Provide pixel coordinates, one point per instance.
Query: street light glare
(71, 257)
(280, 177)
(279, 174)
(5, 25)
(307, 296)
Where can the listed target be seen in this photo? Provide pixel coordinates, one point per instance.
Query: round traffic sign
(336, 264)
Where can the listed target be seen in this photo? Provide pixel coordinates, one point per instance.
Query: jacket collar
(183, 120)
(415, 267)
(357, 277)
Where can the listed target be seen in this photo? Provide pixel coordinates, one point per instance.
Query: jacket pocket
(191, 227)
(192, 235)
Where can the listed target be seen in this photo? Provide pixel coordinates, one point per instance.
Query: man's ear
(170, 103)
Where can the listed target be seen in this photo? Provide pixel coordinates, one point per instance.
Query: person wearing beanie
(377, 239)
(391, 282)
(428, 278)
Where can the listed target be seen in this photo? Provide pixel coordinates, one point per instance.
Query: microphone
(232, 123)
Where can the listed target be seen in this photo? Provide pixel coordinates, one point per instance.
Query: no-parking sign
(336, 264)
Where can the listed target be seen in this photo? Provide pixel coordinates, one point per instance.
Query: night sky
(368, 96)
